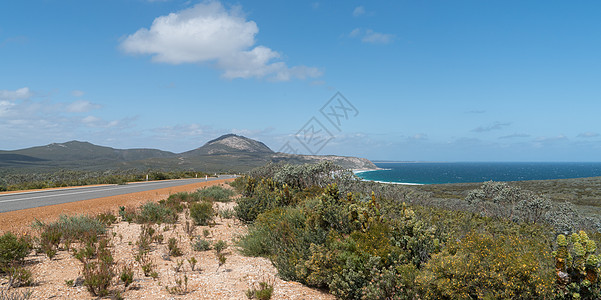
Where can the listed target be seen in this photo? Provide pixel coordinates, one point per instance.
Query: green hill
(228, 153)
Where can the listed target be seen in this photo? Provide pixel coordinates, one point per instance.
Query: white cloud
(588, 135)
(210, 33)
(355, 32)
(27, 120)
(180, 131)
(418, 137)
(77, 93)
(359, 11)
(91, 120)
(475, 112)
(515, 135)
(5, 107)
(376, 37)
(81, 106)
(370, 36)
(491, 127)
(22, 93)
(552, 139)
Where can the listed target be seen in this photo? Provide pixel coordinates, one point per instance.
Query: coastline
(360, 171)
(392, 182)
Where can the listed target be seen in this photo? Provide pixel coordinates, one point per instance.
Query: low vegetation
(362, 240)
(322, 227)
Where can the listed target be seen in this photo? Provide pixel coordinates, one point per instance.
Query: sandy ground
(206, 281)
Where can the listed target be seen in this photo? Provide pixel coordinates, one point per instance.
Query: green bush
(362, 246)
(255, 243)
(261, 291)
(152, 212)
(174, 249)
(13, 249)
(488, 267)
(220, 246)
(286, 239)
(202, 213)
(248, 209)
(75, 227)
(106, 218)
(266, 194)
(126, 275)
(18, 276)
(98, 269)
(200, 244)
(577, 267)
(127, 214)
(215, 193)
(238, 184)
(67, 229)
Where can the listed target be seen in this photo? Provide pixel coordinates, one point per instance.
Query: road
(23, 200)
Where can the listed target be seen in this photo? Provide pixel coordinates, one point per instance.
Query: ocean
(462, 172)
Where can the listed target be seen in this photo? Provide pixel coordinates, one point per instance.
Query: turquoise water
(461, 172)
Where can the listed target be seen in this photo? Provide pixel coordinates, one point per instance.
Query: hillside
(228, 153)
(230, 144)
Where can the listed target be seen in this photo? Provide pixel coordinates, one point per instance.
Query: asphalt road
(17, 201)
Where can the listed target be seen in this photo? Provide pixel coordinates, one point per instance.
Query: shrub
(577, 267)
(189, 228)
(174, 250)
(227, 213)
(146, 264)
(265, 195)
(146, 237)
(220, 246)
(18, 276)
(153, 212)
(202, 213)
(127, 214)
(484, 266)
(15, 295)
(221, 259)
(13, 249)
(249, 208)
(67, 229)
(106, 218)
(287, 240)
(255, 242)
(201, 244)
(181, 286)
(174, 202)
(98, 269)
(395, 282)
(216, 193)
(127, 275)
(192, 261)
(261, 291)
(513, 203)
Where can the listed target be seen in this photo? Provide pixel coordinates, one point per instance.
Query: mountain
(76, 150)
(230, 144)
(230, 152)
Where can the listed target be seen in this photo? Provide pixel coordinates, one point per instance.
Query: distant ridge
(228, 152)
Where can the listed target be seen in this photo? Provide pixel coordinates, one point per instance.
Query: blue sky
(427, 80)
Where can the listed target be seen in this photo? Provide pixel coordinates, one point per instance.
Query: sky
(385, 80)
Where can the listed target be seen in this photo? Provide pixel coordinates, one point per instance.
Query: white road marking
(56, 195)
(67, 194)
